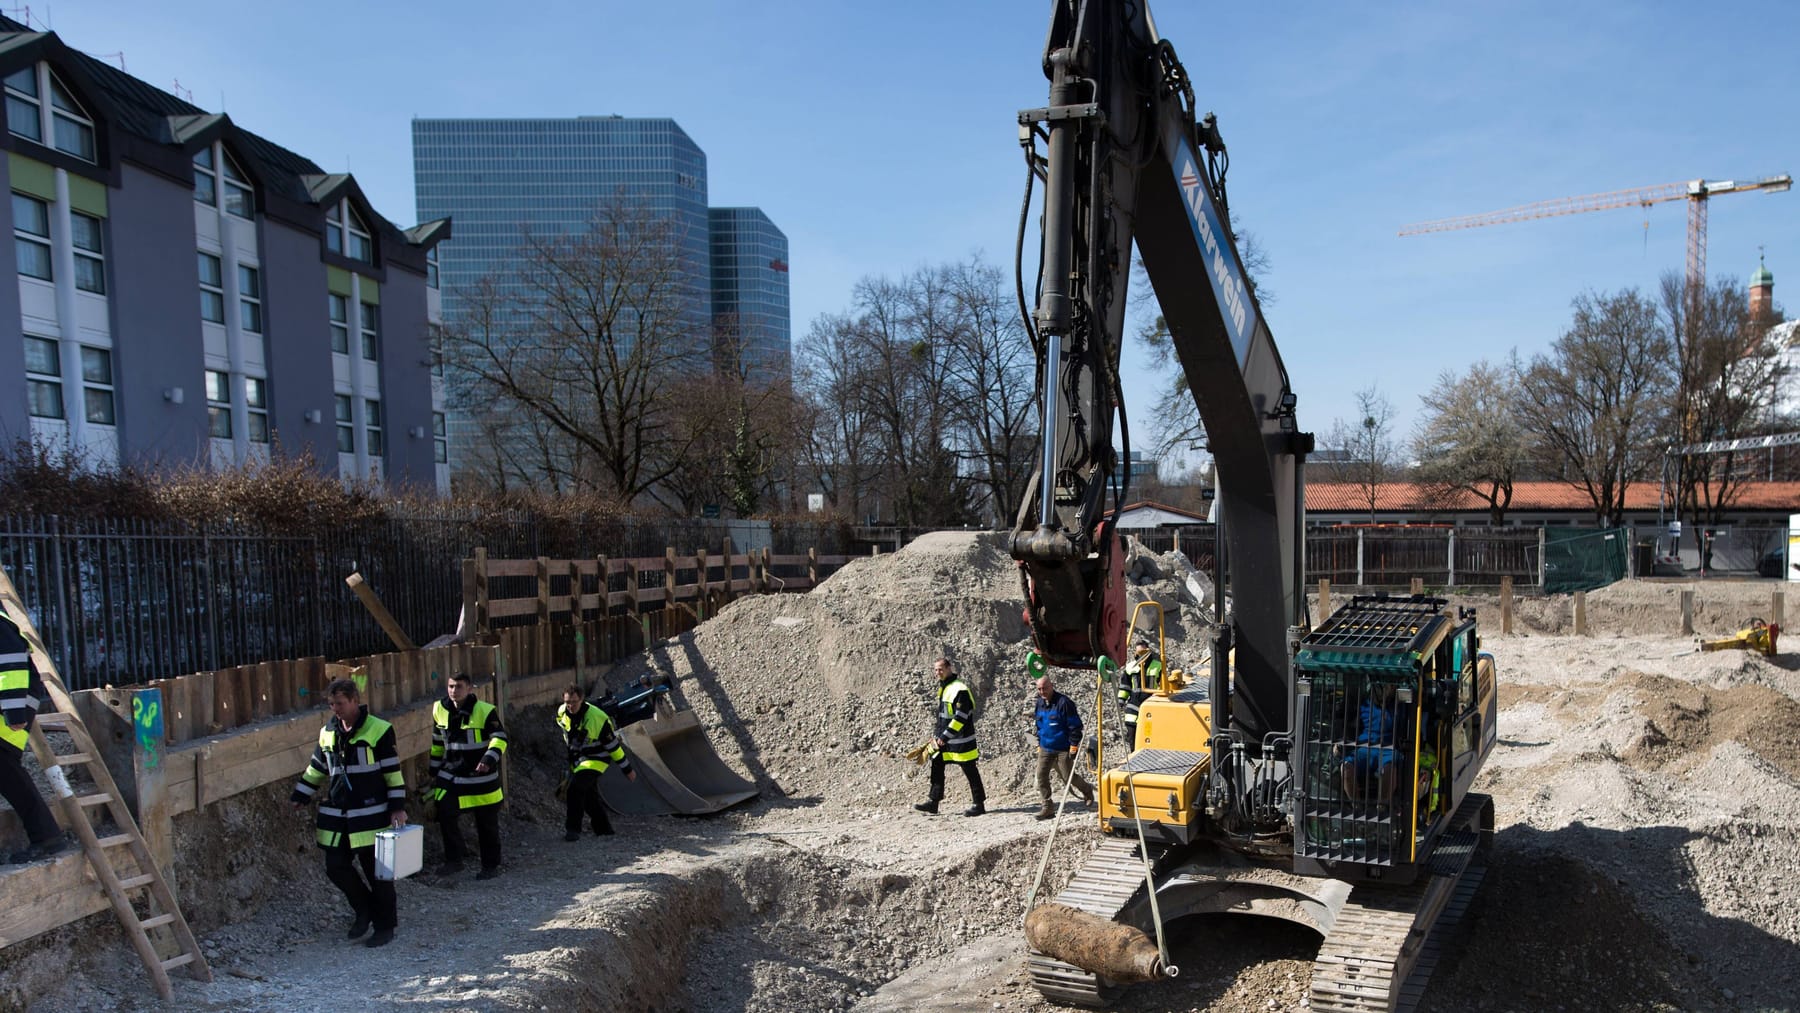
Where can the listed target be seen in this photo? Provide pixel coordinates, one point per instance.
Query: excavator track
(1381, 942)
(1385, 942)
(1107, 885)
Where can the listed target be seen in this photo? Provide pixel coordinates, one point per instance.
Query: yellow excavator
(1317, 775)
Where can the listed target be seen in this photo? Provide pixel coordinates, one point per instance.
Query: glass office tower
(750, 287)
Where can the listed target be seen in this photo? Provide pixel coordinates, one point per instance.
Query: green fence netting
(1583, 559)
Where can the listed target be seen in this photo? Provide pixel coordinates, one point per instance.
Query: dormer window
(209, 165)
(237, 188)
(345, 233)
(72, 129)
(69, 127)
(24, 113)
(362, 247)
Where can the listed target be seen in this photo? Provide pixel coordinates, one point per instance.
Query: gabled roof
(146, 111)
(429, 233)
(1149, 504)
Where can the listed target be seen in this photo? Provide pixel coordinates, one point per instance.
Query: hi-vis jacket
(461, 738)
(359, 771)
(956, 721)
(21, 691)
(592, 740)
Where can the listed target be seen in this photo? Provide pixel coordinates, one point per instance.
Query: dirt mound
(788, 684)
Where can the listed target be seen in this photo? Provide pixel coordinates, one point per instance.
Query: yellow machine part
(1161, 795)
(1759, 636)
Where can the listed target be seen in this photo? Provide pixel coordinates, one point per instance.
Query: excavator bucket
(678, 771)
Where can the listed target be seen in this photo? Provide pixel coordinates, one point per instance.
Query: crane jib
(1222, 269)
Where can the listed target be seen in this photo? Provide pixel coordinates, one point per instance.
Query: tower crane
(1697, 192)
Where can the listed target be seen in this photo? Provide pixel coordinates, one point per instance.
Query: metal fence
(123, 602)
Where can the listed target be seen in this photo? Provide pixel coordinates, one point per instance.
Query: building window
(372, 422)
(249, 299)
(97, 384)
(206, 184)
(218, 403)
(237, 188)
(361, 246)
(43, 378)
(371, 332)
(24, 114)
(256, 396)
(334, 228)
(212, 289)
(72, 130)
(440, 441)
(431, 268)
(31, 236)
(436, 333)
(340, 324)
(90, 253)
(345, 426)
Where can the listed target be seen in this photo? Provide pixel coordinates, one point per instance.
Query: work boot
(928, 808)
(358, 925)
(1046, 811)
(488, 872)
(572, 835)
(975, 810)
(450, 868)
(1088, 796)
(382, 937)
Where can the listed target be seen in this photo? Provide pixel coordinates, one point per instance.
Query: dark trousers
(487, 832)
(1060, 763)
(366, 894)
(977, 793)
(22, 795)
(584, 799)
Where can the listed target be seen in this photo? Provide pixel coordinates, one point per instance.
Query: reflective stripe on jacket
(462, 738)
(592, 740)
(21, 691)
(956, 721)
(359, 772)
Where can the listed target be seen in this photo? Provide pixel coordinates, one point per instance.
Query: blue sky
(881, 137)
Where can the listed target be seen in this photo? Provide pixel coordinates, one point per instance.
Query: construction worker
(954, 739)
(593, 745)
(21, 692)
(467, 742)
(357, 762)
(1058, 725)
(1141, 672)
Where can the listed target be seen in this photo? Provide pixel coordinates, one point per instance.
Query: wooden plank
(262, 690)
(383, 618)
(48, 895)
(511, 567)
(506, 608)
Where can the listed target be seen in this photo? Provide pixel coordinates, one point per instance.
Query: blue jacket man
(1059, 737)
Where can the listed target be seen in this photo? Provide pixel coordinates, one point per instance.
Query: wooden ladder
(164, 912)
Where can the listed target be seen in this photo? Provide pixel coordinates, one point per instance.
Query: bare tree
(1367, 445)
(1597, 402)
(1728, 375)
(1469, 438)
(991, 379)
(586, 336)
(839, 453)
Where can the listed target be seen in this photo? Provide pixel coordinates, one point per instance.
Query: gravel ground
(1646, 795)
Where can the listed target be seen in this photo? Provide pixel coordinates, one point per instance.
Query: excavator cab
(1397, 711)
